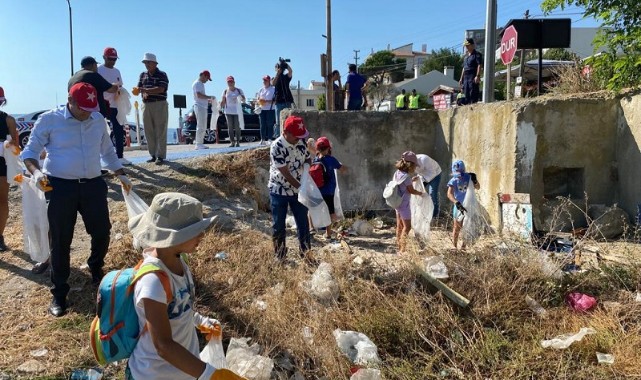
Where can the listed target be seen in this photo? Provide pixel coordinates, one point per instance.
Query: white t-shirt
(427, 167)
(145, 363)
(268, 95)
(112, 76)
(197, 87)
(232, 101)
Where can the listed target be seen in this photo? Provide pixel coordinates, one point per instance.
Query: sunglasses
(111, 59)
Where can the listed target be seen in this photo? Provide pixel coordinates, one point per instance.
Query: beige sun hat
(172, 219)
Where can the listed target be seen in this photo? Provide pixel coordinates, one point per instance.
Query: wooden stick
(446, 290)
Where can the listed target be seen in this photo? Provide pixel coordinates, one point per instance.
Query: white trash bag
(213, 353)
(564, 341)
(473, 222)
(244, 360)
(435, 266)
(422, 209)
(338, 208)
(357, 347)
(367, 374)
(10, 154)
(310, 196)
(35, 221)
(123, 105)
(322, 285)
(135, 206)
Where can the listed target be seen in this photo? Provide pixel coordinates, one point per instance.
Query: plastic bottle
(86, 374)
(536, 307)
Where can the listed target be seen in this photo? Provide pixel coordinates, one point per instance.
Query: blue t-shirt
(460, 184)
(330, 163)
(356, 82)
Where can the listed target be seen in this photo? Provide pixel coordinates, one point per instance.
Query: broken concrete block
(607, 222)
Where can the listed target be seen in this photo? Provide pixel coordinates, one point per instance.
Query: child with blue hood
(456, 190)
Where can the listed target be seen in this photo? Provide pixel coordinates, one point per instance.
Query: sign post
(137, 126)
(509, 43)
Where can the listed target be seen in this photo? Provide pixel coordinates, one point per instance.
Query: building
(412, 58)
(307, 98)
(426, 83)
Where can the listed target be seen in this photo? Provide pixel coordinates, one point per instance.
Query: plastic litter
(473, 223)
(604, 358)
(222, 255)
(86, 374)
(564, 341)
(638, 298)
(580, 302)
(290, 222)
(245, 361)
(39, 353)
(322, 285)
(357, 347)
(310, 196)
(308, 337)
(35, 221)
(435, 266)
(367, 374)
(362, 227)
(422, 209)
(11, 153)
(123, 104)
(135, 206)
(338, 207)
(213, 352)
(536, 307)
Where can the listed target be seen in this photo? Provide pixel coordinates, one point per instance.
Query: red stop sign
(508, 44)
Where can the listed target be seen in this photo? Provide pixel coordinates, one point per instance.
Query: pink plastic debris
(580, 302)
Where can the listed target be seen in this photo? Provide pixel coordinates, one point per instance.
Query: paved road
(179, 152)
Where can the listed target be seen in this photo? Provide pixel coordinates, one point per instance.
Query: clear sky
(240, 38)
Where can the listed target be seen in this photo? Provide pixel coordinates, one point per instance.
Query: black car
(250, 133)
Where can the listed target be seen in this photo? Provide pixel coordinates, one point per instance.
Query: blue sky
(243, 39)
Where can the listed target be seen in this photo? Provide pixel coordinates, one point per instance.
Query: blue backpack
(114, 331)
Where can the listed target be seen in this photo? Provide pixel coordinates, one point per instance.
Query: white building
(307, 99)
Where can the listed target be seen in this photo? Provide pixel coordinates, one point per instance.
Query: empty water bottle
(536, 307)
(86, 374)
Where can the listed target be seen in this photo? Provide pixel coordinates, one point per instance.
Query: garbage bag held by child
(36, 223)
(338, 208)
(213, 352)
(422, 209)
(310, 196)
(473, 223)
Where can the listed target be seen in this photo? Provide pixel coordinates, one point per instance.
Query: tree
(561, 55)
(321, 103)
(380, 64)
(620, 65)
(438, 59)
(379, 92)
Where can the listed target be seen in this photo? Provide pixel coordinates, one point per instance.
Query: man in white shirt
(267, 116)
(430, 170)
(112, 75)
(201, 103)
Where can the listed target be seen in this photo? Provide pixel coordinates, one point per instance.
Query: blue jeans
(267, 119)
(432, 188)
(279, 107)
(279, 213)
(354, 104)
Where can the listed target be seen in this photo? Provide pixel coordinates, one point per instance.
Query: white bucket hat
(149, 57)
(172, 219)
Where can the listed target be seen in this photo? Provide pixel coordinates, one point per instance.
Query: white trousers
(201, 123)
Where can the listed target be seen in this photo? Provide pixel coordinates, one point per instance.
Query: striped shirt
(157, 79)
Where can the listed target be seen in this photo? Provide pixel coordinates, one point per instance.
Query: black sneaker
(152, 159)
(3, 246)
(39, 268)
(57, 307)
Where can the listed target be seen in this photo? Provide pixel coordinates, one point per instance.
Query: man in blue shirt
(354, 87)
(75, 140)
(471, 75)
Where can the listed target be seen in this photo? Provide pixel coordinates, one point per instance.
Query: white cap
(149, 57)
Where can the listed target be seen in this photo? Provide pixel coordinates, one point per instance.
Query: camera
(282, 62)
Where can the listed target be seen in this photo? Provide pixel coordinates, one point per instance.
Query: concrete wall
(508, 145)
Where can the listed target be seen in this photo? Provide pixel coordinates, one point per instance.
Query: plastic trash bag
(338, 208)
(123, 105)
(213, 353)
(473, 223)
(35, 221)
(366, 374)
(245, 361)
(11, 153)
(322, 286)
(564, 341)
(604, 358)
(435, 266)
(357, 347)
(422, 209)
(580, 302)
(310, 196)
(135, 206)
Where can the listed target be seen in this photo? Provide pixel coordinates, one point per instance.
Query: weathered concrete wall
(628, 154)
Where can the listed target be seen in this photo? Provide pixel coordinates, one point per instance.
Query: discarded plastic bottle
(536, 307)
(86, 374)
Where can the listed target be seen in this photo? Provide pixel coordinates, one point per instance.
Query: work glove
(42, 182)
(460, 207)
(212, 373)
(473, 178)
(204, 324)
(125, 182)
(9, 146)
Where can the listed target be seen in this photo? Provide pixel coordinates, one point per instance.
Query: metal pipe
(490, 52)
(70, 35)
(330, 83)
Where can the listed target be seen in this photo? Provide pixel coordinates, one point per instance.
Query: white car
(24, 125)
(133, 138)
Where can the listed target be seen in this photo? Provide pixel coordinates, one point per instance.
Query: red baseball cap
(230, 79)
(1, 92)
(110, 52)
(295, 126)
(85, 95)
(266, 77)
(323, 143)
(206, 73)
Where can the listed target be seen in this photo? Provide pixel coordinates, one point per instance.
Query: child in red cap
(327, 164)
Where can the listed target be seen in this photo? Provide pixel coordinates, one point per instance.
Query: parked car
(24, 125)
(133, 138)
(250, 133)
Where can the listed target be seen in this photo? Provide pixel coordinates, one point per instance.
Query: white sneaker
(200, 146)
(125, 161)
(262, 142)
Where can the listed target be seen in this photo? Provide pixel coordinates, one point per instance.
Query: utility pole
(522, 55)
(356, 58)
(490, 52)
(329, 81)
(70, 35)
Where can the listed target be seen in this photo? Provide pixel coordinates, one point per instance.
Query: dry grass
(419, 333)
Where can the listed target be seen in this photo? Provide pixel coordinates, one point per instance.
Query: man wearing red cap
(288, 155)
(112, 75)
(76, 141)
(89, 74)
(267, 117)
(201, 103)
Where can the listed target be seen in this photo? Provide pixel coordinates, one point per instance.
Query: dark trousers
(279, 213)
(117, 132)
(470, 89)
(67, 198)
(267, 120)
(354, 104)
